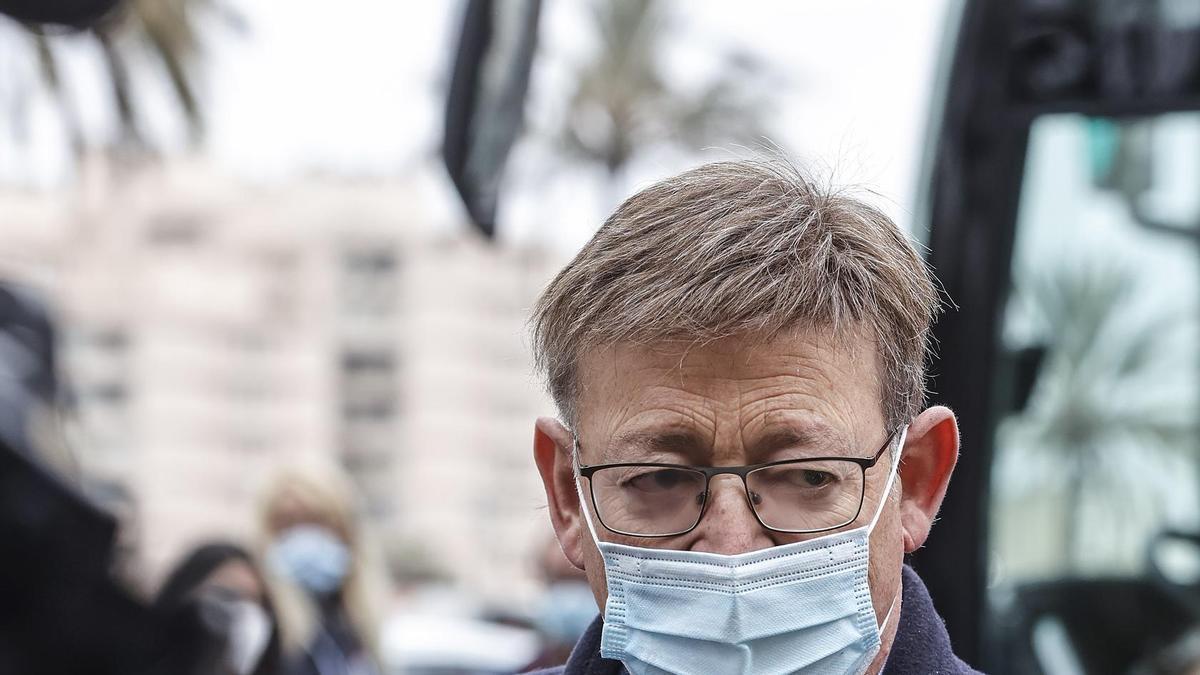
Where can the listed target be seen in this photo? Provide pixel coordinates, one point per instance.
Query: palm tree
(50, 73)
(622, 103)
(168, 30)
(1114, 400)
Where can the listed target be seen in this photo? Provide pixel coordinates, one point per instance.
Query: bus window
(1097, 448)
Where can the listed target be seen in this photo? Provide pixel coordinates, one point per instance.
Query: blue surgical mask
(312, 557)
(798, 608)
(566, 611)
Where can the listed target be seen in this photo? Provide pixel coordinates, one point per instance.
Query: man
(743, 459)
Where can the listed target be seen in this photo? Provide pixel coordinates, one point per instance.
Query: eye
(806, 479)
(660, 480)
(813, 478)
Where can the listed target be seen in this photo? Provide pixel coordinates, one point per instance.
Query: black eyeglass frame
(864, 463)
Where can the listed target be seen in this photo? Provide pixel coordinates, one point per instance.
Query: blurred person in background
(566, 608)
(327, 579)
(737, 358)
(223, 583)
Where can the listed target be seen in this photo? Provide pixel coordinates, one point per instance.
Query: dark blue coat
(921, 647)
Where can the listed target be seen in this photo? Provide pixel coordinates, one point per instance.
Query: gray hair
(740, 248)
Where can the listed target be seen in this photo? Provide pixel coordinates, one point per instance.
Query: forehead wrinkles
(698, 387)
(626, 387)
(810, 399)
(813, 371)
(857, 358)
(695, 422)
(662, 407)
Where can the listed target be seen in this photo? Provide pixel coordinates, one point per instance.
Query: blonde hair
(741, 248)
(323, 491)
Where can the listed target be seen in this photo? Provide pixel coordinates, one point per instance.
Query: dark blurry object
(222, 583)
(622, 103)
(1173, 559)
(1103, 626)
(60, 610)
(27, 366)
(74, 13)
(485, 107)
(31, 399)
(1013, 62)
(1074, 53)
(1110, 626)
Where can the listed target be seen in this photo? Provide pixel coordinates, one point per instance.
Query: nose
(729, 526)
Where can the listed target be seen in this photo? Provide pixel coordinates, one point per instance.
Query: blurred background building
(237, 217)
(212, 332)
(236, 213)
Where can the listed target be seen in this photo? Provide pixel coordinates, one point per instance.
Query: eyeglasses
(796, 496)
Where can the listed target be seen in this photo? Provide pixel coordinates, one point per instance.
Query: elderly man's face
(738, 402)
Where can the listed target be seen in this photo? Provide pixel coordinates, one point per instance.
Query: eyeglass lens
(795, 497)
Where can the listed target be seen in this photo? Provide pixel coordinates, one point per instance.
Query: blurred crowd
(309, 598)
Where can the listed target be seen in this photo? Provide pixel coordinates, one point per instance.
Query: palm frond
(622, 103)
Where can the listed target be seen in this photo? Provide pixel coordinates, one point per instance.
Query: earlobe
(930, 453)
(552, 444)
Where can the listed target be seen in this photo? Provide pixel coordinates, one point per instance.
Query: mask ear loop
(587, 516)
(896, 452)
(887, 489)
(887, 617)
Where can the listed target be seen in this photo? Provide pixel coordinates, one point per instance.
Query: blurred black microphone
(486, 102)
(61, 611)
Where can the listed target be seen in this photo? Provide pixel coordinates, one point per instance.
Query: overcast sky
(354, 88)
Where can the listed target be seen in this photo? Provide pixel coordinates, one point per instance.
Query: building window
(369, 387)
(370, 281)
(175, 229)
(110, 393)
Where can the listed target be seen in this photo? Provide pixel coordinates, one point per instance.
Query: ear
(552, 445)
(930, 452)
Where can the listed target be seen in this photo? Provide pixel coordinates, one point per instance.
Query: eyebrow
(676, 442)
(819, 438)
(781, 439)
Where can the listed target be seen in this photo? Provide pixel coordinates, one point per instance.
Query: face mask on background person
(249, 634)
(803, 607)
(566, 611)
(243, 625)
(312, 557)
